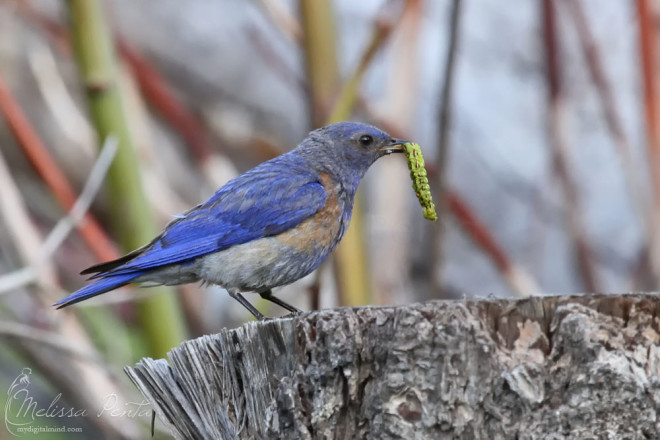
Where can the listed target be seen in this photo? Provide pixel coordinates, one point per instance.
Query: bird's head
(347, 149)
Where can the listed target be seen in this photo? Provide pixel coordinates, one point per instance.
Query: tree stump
(578, 367)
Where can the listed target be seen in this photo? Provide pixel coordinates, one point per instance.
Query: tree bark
(578, 367)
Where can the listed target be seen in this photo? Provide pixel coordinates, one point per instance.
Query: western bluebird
(266, 228)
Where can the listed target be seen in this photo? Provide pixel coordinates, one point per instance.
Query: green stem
(318, 24)
(133, 222)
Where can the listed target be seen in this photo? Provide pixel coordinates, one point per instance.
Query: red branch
(465, 216)
(151, 83)
(559, 149)
(159, 94)
(650, 74)
(477, 230)
(50, 171)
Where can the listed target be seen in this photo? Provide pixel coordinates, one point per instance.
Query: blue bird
(266, 228)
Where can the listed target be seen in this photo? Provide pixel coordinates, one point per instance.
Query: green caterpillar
(420, 182)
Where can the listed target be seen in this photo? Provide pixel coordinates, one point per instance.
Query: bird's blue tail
(98, 287)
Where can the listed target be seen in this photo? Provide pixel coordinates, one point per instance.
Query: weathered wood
(580, 367)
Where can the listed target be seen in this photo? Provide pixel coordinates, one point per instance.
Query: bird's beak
(394, 146)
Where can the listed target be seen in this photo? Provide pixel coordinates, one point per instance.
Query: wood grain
(562, 367)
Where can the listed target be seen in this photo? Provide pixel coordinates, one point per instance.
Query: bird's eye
(366, 140)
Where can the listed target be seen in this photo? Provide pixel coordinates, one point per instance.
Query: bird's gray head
(347, 149)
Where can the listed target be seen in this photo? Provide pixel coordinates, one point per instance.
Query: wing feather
(263, 202)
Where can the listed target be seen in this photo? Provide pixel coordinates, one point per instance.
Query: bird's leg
(234, 293)
(268, 295)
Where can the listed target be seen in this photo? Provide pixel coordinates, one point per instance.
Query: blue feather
(98, 287)
(266, 201)
(237, 214)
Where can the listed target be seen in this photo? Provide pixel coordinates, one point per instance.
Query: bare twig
(62, 229)
(439, 183)
(152, 84)
(610, 112)
(559, 150)
(160, 94)
(320, 53)
(49, 338)
(351, 254)
(282, 19)
(133, 221)
(52, 174)
(349, 92)
(522, 283)
(648, 46)
(59, 102)
(389, 246)
(18, 225)
(276, 63)
(518, 279)
(68, 374)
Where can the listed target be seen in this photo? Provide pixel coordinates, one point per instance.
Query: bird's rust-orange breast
(322, 228)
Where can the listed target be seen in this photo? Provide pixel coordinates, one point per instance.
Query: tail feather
(110, 265)
(110, 282)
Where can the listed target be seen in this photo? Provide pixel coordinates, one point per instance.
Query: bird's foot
(268, 295)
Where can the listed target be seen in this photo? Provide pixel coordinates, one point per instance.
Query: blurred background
(538, 121)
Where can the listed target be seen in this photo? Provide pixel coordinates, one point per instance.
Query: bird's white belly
(255, 266)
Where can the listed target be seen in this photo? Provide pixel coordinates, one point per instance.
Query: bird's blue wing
(263, 202)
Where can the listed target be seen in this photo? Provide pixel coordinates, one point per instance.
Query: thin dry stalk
(263, 46)
(648, 47)
(611, 115)
(32, 273)
(319, 47)
(159, 94)
(559, 151)
(521, 282)
(85, 385)
(153, 86)
(59, 101)
(389, 244)
(347, 97)
(16, 223)
(22, 332)
(282, 18)
(352, 256)
(52, 174)
(160, 316)
(439, 182)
